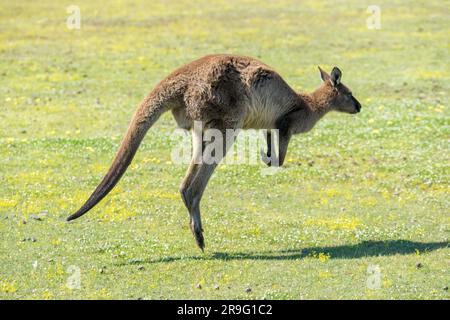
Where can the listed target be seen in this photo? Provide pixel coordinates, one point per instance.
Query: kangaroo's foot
(198, 235)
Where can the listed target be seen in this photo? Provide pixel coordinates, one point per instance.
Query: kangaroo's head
(335, 94)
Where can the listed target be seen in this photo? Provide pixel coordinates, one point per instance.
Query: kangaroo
(225, 92)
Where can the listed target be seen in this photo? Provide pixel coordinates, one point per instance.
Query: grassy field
(360, 211)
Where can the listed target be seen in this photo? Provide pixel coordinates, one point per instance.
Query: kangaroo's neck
(314, 106)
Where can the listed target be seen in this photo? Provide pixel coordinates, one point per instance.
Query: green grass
(356, 192)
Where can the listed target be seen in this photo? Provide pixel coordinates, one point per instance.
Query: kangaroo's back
(241, 88)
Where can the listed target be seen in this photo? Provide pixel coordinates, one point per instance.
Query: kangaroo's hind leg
(197, 142)
(199, 174)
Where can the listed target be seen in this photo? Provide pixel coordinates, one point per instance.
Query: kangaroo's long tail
(146, 115)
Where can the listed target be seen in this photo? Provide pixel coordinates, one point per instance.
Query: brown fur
(225, 92)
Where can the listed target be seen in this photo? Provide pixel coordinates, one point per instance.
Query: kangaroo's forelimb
(284, 125)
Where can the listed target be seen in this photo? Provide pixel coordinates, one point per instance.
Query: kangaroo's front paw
(268, 159)
(265, 157)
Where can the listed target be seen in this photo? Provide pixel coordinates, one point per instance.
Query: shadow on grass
(354, 251)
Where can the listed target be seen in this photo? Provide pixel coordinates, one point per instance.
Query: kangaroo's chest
(260, 116)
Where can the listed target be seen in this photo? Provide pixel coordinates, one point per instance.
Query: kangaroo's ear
(325, 76)
(336, 75)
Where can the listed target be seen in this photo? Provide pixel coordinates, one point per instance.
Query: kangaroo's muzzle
(357, 105)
